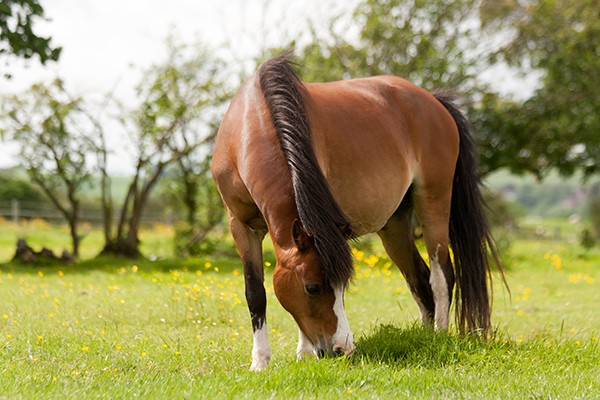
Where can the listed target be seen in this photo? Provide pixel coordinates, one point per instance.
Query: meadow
(168, 328)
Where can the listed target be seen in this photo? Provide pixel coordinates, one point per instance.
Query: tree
(191, 188)
(434, 44)
(45, 122)
(443, 44)
(17, 18)
(177, 97)
(557, 128)
(13, 187)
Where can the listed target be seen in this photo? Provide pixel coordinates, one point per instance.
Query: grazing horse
(314, 164)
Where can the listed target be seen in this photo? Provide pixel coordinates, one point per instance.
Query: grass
(156, 241)
(110, 328)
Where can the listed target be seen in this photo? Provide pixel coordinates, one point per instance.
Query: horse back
(374, 138)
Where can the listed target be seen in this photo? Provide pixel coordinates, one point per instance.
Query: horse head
(316, 304)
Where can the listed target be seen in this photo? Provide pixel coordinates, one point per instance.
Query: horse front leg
(305, 346)
(249, 244)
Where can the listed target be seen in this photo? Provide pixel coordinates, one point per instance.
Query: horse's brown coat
(374, 138)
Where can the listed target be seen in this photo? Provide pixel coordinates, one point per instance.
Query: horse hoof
(259, 365)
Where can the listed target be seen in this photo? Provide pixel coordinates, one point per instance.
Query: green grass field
(180, 329)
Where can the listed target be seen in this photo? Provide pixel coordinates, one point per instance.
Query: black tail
(470, 234)
(319, 213)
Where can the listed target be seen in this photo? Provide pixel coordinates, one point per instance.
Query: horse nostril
(343, 350)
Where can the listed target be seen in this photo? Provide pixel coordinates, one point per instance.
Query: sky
(108, 43)
(103, 39)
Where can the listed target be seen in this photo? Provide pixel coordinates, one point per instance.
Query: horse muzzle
(334, 350)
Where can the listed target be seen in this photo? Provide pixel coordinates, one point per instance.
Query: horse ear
(300, 236)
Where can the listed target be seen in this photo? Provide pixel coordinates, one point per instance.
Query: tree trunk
(121, 248)
(74, 235)
(127, 244)
(106, 201)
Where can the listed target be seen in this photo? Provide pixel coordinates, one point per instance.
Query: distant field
(180, 329)
(155, 241)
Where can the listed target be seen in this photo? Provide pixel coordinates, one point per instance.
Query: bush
(191, 242)
(594, 213)
(12, 187)
(587, 239)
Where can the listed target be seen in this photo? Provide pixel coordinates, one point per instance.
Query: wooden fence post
(14, 205)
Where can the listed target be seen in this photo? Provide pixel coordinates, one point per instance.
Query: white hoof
(259, 364)
(261, 352)
(305, 346)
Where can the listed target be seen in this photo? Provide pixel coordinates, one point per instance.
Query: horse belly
(370, 197)
(369, 179)
(364, 148)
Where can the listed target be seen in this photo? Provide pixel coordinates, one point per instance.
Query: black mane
(319, 213)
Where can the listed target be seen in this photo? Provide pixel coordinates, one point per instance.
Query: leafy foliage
(192, 190)
(12, 187)
(17, 37)
(557, 127)
(45, 121)
(432, 43)
(180, 98)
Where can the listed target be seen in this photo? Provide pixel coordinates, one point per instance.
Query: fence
(15, 210)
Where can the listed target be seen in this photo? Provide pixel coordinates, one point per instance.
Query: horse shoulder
(248, 165)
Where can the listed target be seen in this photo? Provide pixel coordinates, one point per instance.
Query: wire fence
(16, 210)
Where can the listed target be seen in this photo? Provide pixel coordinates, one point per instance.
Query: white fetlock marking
(261, 351)
(305, 346)
(439, 286)
(422, 309)
(343, 336)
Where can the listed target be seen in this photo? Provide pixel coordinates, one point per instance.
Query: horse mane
(320, 214)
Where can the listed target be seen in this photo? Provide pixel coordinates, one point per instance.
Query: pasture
(109, 328)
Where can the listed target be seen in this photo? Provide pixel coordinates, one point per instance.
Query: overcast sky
(102, 39)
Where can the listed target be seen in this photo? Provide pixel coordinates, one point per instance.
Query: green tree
(17, 19)
(557, 128)
(178, 97)
(17, 188)
(46, 122)
(433, 43)
(193, 193)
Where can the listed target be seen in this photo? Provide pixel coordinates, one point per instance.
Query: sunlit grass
(156, 240)
(181, 329)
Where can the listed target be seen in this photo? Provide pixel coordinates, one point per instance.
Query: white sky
(107, 42)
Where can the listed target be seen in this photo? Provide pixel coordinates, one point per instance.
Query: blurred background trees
(171, 134)
(485, 51)
(45, 122)
(558, 126)
(178, 100)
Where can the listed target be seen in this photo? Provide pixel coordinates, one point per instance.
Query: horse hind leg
(249, 244)
(433, 210)
(397, 238)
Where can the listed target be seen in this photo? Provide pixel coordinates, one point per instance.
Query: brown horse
(316, 164)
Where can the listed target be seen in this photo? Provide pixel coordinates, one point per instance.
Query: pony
(317, 164)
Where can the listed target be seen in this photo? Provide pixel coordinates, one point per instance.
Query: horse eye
(313, 289)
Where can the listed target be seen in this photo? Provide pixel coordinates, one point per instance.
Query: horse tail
(470, 234)
(319, 213)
